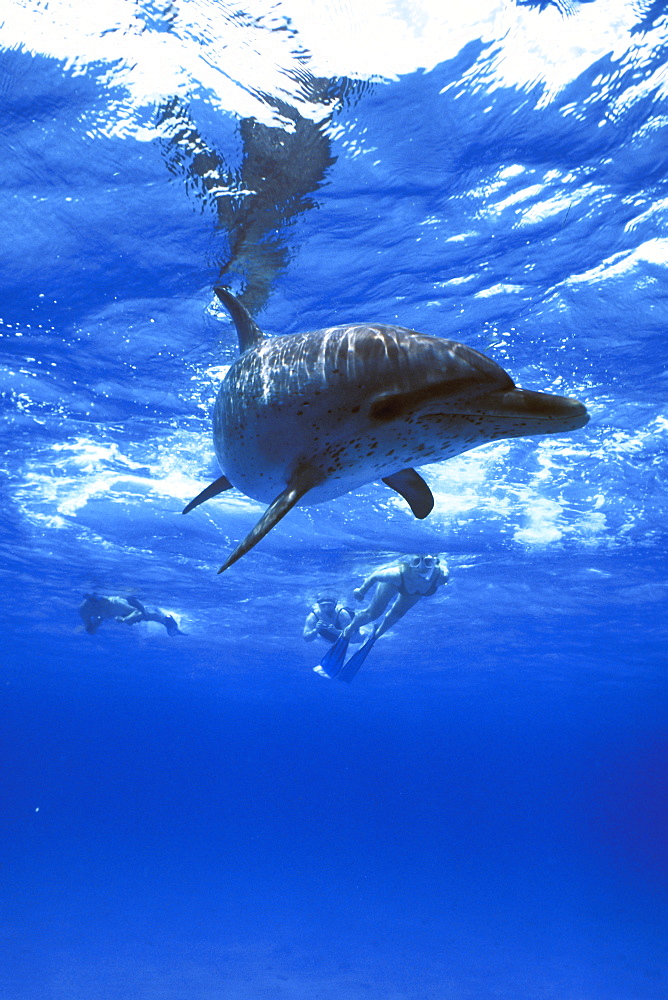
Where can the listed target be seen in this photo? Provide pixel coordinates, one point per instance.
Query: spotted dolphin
(308, 417)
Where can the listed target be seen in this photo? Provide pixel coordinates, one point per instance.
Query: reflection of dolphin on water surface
(308, 417)
(280, 171)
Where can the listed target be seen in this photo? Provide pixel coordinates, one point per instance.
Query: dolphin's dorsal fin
(212, 490)
(411, 486)
(248, 332)
(300, 484)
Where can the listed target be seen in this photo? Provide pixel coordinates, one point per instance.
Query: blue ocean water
(484, 811)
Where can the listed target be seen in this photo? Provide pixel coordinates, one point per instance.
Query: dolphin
(310, 416)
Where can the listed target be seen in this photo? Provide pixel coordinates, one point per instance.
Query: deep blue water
(484, 812)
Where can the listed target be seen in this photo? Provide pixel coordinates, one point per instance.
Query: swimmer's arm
(310, 627)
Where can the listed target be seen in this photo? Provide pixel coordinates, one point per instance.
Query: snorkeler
(398, 587)
(327, 619)
(128, 610)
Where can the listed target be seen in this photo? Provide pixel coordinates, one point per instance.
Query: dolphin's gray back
(351, 359)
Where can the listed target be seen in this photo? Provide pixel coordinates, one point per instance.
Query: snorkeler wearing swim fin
(399, 586)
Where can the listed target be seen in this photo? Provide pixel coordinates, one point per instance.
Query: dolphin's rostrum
(312, 416)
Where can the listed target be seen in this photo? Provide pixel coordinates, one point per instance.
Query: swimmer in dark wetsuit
(96, 609)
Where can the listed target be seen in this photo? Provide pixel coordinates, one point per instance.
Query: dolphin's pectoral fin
(248, 332)
(290, 496)
(411, 486)
(212, 490)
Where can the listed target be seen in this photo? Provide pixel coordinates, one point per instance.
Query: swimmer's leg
(403, 603)
(155, 615)
(374, 609)
(136, 603)
(132, 618)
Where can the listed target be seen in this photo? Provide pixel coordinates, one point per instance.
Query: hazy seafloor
(484, 811)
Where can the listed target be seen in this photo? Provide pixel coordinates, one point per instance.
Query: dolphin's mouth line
(524, 406)
(529, 418)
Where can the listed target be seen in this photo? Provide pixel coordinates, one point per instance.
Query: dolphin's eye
(385, 408)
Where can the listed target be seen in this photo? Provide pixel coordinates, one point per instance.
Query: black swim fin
(332, 661)
(357, 659)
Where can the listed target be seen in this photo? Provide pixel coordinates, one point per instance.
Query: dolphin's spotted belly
(260, 460)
